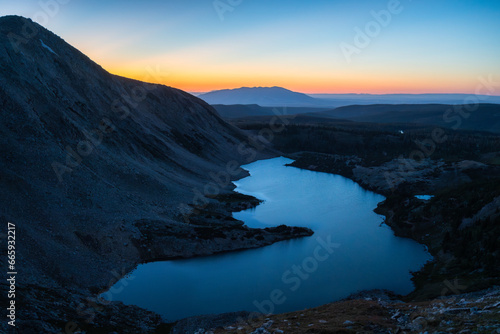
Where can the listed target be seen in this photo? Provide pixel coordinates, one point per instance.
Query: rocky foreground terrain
(382, 312)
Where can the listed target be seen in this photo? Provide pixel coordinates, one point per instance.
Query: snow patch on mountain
(48, 48)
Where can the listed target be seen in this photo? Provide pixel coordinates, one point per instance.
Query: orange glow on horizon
(192, 76)
(207, 83)
(190, 72)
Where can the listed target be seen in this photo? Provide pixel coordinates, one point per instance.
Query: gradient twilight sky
(431, 46)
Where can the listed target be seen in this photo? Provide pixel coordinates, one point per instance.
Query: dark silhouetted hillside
(100, 173)
(483, 117)
(253, 110)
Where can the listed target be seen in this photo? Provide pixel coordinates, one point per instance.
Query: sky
(313, 46)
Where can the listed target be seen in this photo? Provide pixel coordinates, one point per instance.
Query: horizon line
(323, 93)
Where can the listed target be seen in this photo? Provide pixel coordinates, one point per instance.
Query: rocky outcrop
(425, 176)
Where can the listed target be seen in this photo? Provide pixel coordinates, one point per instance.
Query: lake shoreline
(334, 196)
(407, 216)
(80, 306)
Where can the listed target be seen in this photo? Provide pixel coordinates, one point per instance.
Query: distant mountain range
(340, 100)
(263, 96)
(281, 97)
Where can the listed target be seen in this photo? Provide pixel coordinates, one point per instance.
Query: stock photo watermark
(455, 116)
(248, 150)
(225, 6)
(88, 309)
(297, 274)
(11, 273)
(363, 37)
(120, 108)
(48, 10)
(454, 287)
(292, 279)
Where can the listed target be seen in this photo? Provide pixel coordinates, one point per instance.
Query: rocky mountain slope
(100, 172)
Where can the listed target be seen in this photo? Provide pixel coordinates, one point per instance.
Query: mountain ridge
(281, 97)
(151, 133)
(101, 173)
(263, 96)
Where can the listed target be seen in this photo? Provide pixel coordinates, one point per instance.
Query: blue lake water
(424, 197)
(350, 251)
